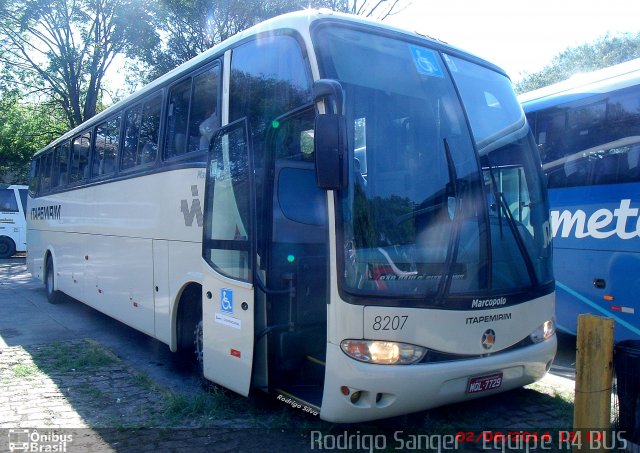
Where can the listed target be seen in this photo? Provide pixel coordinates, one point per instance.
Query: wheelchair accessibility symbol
(426, 62)
(226, 300)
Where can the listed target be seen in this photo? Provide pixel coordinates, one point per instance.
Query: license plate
(484, 383)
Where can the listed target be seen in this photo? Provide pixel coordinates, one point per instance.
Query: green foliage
(61, 50)
(603, 52)
(24, 128)
(193, 26)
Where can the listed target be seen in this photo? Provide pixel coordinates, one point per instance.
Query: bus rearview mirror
(330, 146)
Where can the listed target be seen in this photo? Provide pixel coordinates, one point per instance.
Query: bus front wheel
(53, 296)
(198, 347)
(7, 247)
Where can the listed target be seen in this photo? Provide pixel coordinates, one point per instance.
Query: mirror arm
(329, 87)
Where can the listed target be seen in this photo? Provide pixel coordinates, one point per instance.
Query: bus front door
(228, 294)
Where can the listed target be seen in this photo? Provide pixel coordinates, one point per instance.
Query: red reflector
(616, 308)
(235, 353)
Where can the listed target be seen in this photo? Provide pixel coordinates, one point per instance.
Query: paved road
(26, 318)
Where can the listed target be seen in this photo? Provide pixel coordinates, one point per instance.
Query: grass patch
(200, 405)
(82, 356)
(144, 382)
(96, 395)
(25, 370)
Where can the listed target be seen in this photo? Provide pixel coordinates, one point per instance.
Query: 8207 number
(389, 322)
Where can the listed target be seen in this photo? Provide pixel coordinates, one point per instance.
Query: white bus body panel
(126, 248)
(13, 224)
(390, 390)
(228, 331)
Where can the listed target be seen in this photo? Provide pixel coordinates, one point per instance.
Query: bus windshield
(445, 196)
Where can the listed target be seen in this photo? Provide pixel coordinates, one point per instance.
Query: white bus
(225, 206)
(13, 225)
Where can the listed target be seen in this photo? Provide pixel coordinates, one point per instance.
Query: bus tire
(53, 296)
(198, 346)
(189, 315)
(7, 247)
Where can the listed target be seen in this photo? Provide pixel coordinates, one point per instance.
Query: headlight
(383, 352)
(544, 332)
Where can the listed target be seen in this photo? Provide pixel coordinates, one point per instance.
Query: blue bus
(588, 135)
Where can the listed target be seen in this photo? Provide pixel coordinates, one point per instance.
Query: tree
(24, 128)
(60, 50)
(376, 9)
(603, 52)
(193, 26)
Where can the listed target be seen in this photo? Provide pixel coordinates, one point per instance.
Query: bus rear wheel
(7, 247)
(53, 296)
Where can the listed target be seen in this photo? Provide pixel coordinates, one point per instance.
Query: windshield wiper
(502, 205)
(452, 249)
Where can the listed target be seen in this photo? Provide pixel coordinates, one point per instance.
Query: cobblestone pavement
(68, 370)
(77, 394)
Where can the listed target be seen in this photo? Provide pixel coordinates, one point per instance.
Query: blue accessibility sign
(226, 300)
(426, 61)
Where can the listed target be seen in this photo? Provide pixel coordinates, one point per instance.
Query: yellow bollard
(594, 376)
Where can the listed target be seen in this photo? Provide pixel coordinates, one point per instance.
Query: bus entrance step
(315, 360)
(308, 394)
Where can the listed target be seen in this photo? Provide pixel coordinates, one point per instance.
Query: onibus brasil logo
(32, 440)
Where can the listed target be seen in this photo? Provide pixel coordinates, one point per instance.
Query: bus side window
(142, 127)
(8, 201)
(106, 148)
(149, 129)
(130, 146)
(45, 179)
(80, 158)
(62, 164)
(177, 117)
(33, 177)
(203, 116)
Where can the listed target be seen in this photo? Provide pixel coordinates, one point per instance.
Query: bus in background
(367, 243)
(13, 224)
(588, 135)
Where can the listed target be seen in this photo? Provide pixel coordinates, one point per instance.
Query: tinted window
(227, 227)
(106, 148)
(8, 201)
(177, 118)
(34, 183)
(131, 134)
(45, 171)
(591, 141)
(149, 129)
(60, 166)
(142, 125)
(203, 117)
(80, 147)
(192, 116)
(265, 85)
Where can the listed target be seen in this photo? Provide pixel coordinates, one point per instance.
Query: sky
(519, 36)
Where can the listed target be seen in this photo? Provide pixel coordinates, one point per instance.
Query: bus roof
(299, 20)
(615, 77)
